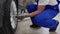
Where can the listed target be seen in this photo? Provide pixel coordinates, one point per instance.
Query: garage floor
(24, 27)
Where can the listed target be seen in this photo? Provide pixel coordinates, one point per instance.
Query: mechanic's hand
(21, 17)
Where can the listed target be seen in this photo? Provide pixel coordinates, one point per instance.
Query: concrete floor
(24, 27)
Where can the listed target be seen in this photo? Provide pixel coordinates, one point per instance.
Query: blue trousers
(45, 18)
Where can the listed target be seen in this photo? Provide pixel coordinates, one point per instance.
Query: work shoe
(34, 26)
(53, 30)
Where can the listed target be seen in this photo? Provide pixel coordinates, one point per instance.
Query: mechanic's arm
(40, 9)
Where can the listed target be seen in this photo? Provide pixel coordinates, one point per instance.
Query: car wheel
(13, 13)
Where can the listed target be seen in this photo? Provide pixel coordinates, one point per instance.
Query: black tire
(6, 24)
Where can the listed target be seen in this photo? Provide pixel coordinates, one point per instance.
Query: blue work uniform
(45, 18)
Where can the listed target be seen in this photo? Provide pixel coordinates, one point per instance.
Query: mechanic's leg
(44, 19)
